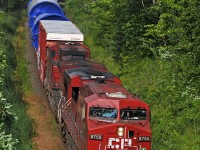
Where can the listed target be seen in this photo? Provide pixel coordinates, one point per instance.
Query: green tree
(10, 5)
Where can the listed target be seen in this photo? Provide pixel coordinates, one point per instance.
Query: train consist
(94, 110)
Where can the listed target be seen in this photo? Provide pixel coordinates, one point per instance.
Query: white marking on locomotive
(63, 106)
(120, 143)
(60, 107)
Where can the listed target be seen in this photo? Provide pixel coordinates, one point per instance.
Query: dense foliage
(156, 44)
(15, 125)
(6, 114)
(10, 5)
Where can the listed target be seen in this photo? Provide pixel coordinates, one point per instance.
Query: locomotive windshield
(100, 112)
(133, 114)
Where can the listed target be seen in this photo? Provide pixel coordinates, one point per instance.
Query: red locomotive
(94, 110)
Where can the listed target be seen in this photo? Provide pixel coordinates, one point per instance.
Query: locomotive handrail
(60, 107)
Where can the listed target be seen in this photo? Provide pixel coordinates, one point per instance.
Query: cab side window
(66, 87)
(75, 91)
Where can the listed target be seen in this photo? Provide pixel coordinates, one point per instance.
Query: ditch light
(120, 131)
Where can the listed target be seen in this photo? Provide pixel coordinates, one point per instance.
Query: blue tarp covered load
(38, 7)
(42, 10)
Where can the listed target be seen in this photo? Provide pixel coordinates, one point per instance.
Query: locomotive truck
(93, 109)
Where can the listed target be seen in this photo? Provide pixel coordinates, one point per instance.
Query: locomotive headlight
(120, 131)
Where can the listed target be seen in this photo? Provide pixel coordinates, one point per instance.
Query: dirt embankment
(47, 131)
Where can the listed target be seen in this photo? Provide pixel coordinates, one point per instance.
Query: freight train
(93, 109)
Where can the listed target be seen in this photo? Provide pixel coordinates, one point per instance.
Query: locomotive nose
(119, 137)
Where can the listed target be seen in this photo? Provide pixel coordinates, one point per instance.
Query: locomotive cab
(116, 120)
(105, 115)
(65, 51)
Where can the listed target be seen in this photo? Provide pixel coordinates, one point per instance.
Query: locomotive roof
(73, 52)
(69, 45)
(110, 90)
(89, 73)
(61, 30)
(81, 63)
(72, 49)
